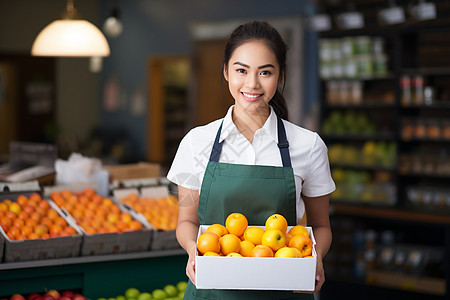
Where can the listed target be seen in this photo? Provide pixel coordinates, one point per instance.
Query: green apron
(257, 192)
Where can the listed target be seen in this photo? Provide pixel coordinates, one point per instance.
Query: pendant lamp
(70, 36)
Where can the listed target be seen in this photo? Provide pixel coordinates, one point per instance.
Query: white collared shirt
(308, 153)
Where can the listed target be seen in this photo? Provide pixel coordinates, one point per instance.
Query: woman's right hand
(190, 267)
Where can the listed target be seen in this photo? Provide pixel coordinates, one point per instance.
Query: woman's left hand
(320, 278)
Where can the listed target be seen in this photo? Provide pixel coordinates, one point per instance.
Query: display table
(95, 276)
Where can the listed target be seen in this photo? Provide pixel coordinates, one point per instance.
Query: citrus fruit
(218, 229)
(208, 242)
(302, 243)
(236, 223)
(287, 252)
(246, 248)
(229, 243)
(298, 229)
(234, 254)
(277, 221)
(210, 253)
(274, 238)
(254, 234)
(262, 251)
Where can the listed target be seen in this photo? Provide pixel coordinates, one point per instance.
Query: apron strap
(217, 147)
(283, 145)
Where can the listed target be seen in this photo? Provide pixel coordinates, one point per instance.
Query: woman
(252, 161)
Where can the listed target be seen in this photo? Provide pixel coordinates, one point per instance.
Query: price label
(424, 11)
(350, 20)
(392, 15)
(320, 22)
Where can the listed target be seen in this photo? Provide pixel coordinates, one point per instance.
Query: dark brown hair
(263, 31)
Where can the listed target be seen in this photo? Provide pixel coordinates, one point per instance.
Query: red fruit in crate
(65, 298)
(68, 294)
(17, 297)
(48, 297)
(53, 293)
(78, 297)
(32, 296)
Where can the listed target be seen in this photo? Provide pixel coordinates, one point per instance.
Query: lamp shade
(68, 37)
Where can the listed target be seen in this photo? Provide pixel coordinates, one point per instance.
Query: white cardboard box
(256, 273)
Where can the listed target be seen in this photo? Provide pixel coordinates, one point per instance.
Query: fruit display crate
(113, 242)
(39, 249)
(256, 273)
(161, 239)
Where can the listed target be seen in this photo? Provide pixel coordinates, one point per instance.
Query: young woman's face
(253, 75)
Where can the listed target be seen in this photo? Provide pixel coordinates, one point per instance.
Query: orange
(208, 242)
(298, 229)
(262, 251)
(44, 204)
(30, 222)
(277, 221)
(287, 238)
(135, 225)
(234, 254)
(26, 230)
(287, 252)
(3, 206)
(33, 236)
(211, 254)
(15, 207)
(254, 234)
(55, 229)
(229, 243)
(218, 229)
(5, 222)
(60, 221)
(126, 217)
(236, 223)
(22, 200)
(19, 223)
(70, 230)
(40, 229)
(28, 208)
(302, 243)
(52, 214)
(35, 197)
(274, 238)
(246, 248)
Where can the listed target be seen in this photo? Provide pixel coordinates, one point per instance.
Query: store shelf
(95, 276)
(89, 259)
(388, 213)
(408, 282)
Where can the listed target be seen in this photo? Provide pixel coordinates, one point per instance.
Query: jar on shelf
(445, 132)
(377, 45)
(363, 45)
(418, 85)
(405, 84)
(350, 66)
(332, 92)
(325, 50)
(433, 129)
(380, 64)
(407, 129)
(365, 65)
(348, 46)
(356, 92)
(420, 130)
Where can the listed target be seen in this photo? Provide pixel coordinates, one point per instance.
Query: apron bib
(255, 191)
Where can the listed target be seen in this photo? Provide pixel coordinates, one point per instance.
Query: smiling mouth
(251, 96)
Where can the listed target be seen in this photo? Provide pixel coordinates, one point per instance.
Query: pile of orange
(236, 238)
(162, 212)
(32, 218)
(94, 213)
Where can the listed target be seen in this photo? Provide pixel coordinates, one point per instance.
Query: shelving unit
(371, 233)
(95, 276)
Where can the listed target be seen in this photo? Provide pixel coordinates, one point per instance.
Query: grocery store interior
(85, 135)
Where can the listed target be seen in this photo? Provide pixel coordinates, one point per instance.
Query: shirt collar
(269, 127)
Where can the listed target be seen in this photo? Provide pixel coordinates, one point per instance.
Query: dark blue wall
(155, 27)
